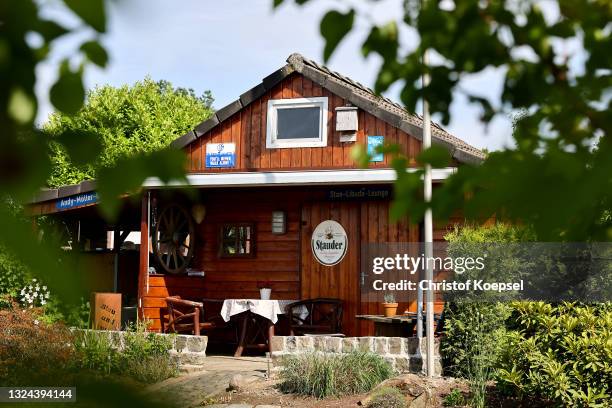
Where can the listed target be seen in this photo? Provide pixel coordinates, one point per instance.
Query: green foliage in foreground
(535, 350)
(556, 155)
(13, 274)
(144, 356)
(474, 328)
(127, 120)
(561, 353)
(324, 375)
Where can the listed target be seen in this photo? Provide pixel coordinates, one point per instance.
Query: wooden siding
(276, 256)
(247, 129)
(286, 260)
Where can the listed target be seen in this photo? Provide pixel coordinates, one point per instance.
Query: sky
(228, 46)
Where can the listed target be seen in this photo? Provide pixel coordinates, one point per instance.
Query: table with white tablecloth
(268, 309)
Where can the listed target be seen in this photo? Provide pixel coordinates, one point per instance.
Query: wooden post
(143, 268)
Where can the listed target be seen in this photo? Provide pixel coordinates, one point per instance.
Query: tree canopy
(557, 75)
(127, 120)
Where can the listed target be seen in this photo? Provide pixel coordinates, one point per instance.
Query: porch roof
(293, 178)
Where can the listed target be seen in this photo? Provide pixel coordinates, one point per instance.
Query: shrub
(145, 356)
(96, 352)
(475, 326)
(454, 399)
(473, 330)
(323, 375)
(560, 353)
(33, 353)
(387, 397)
(13, 275)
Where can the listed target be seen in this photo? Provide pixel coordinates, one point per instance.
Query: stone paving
(241, 406)
(189, 390)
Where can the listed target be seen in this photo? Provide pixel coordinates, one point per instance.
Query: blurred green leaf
(90, 11)
(382, 40)
(41, 258)
(21, 106)
(360, 155)
(437, 156)
(67, 94)
(128, 175)
(334, 27)
(50, 30)
(82, 146)
(95, 53)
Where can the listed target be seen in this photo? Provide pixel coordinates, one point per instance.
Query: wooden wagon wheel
(173, 239)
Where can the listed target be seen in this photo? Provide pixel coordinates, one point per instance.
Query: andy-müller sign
(77, 200)
(329, 243)
(220, 155)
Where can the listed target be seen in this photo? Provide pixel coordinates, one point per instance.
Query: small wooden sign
(106, 311)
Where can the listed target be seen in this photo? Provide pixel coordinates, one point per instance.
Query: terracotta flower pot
(390, 309)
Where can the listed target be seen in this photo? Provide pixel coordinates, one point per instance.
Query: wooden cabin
(267, 169)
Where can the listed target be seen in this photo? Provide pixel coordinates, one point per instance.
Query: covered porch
(228, 235)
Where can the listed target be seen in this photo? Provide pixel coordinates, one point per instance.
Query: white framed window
(300, 122)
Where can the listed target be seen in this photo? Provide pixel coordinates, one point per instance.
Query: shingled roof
(352, 91)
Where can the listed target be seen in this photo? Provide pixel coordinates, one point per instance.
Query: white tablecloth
(270, 309)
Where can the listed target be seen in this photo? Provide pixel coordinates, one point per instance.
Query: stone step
(190, 368)
(189, 357)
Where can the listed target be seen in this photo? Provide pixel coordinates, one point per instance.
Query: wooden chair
(185, 316)
(324, 317)
(223, 332)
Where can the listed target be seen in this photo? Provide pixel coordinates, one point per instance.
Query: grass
(323, 375)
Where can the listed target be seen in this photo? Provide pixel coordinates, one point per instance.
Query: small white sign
(329, 243)
(219, 155)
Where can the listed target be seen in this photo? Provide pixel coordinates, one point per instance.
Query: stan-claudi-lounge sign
(329, 243)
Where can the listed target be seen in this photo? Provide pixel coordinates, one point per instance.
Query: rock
(240, 382)
(420, 391)
(420, 401)
(190, 368)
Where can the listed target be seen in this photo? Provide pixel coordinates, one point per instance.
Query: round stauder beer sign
(329, 242)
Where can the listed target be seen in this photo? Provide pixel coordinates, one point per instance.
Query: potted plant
(390, 305)
(265, 290)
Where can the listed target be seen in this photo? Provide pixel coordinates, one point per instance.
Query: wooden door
(339, 281)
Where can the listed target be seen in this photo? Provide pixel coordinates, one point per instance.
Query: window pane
(229, 232)
(298, 123)
(236, 240)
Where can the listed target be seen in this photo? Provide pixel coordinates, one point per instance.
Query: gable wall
(247, 129)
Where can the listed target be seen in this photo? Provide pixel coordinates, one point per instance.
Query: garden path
(192, 388)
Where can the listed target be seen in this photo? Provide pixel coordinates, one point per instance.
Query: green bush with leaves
(472, 324)
(13, 275)
(454, 399)
(143, 356)
(323, 375)
(559, 353)
(127, 120)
